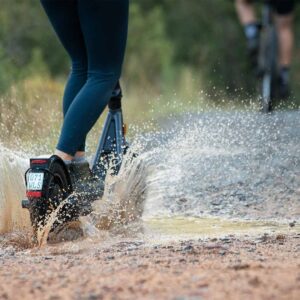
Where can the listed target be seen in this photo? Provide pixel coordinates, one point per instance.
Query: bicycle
(267, 58)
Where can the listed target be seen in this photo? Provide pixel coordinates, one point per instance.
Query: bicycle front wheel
(268, 67)
(266, 92)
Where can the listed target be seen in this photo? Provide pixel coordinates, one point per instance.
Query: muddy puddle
(194, 228)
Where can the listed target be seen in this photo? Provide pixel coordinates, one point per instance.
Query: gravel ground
(261, 267)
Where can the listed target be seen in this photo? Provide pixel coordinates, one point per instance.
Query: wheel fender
(56, 159)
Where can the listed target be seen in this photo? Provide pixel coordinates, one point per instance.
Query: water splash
(43, 232)
(124, 196)
(235, 164)
(122, 203)
(230, 165)
(12, 188)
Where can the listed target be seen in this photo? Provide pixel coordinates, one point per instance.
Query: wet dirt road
(264, 267)
(209, 211)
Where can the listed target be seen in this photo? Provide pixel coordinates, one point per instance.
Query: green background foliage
(181, 55)
(165, 38)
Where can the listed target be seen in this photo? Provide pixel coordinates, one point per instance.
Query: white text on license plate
(35, 181)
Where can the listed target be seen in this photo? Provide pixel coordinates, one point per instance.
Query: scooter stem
(112, 141)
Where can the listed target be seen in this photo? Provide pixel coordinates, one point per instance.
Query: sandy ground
(261, 267)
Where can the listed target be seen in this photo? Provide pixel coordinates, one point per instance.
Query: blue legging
(94, 34)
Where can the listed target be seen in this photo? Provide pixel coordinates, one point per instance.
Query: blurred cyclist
(284, 22)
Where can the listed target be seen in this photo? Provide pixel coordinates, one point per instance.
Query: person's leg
(64, 18)
(284, 24)
(247, 16)
(104, 26)
(286, 38)
(246, 11)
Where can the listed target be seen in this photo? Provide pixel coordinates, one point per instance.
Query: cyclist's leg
(104, 27)
(246, 11)
(247, 16)
(64, 18)
(284, 24)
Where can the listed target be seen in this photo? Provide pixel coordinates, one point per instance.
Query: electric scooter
(50, 182)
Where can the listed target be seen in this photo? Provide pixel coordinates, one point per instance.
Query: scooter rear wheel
(55, 191)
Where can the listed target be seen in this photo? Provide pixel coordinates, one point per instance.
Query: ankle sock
(79, 159)
(251, 30)
(67, 161)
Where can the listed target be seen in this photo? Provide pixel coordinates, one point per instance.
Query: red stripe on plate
(38, 161)
(34, 194)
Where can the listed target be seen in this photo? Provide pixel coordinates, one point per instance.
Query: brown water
(179, 228)
(12, 189)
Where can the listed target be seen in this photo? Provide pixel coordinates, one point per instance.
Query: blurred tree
(149, 50)
(24, 32)
(165, 36)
